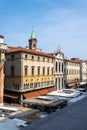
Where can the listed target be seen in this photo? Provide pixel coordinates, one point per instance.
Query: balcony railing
(23, 88)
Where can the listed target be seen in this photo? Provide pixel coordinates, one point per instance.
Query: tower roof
(33, 35)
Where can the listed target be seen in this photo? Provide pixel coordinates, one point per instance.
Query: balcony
(27, 88)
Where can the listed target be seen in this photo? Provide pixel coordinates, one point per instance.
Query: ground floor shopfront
(17, 97)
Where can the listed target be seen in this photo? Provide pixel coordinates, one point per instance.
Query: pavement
(72, 117)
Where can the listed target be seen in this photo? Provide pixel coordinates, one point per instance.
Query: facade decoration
(59, 69)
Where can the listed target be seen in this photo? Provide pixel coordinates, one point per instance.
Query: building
(3, 49)
(30, 72)
(83, 72)
(59, 69)
(72, 73)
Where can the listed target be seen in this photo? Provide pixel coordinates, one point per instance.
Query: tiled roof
(76, 61)
(36, 52)
(73, 61)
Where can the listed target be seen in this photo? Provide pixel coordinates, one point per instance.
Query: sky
(57, 24)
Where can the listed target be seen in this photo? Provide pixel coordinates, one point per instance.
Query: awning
(31, 94)
(40, 92)
(10, 96)
(43, 91)
(52, 89)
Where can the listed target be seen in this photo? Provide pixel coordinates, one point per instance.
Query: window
(48, 71)
(52, 71)
(56, 66)
(31, 85)
(52, 60)
(43, 59)
(42, 84)
(59, 67)
(12, 70)
(26, 70)
(38, 58)
(48, 59)
(62, 81)
(43, 70)
(62, 67)
(67, 71)
(16, 86)
(59, 83)
(35, 85)
(26, 56)
(38, 70)
(32, 57)
(32, 70)
(34, 45)
(12, 56)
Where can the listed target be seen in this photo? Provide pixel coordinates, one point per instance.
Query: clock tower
(33, 41)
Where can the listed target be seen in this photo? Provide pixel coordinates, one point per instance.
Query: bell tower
(33, 41)
(3, 49)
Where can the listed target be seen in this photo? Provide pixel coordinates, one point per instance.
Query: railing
(22, 89)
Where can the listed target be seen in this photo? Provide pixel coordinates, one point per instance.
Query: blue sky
(57, 23)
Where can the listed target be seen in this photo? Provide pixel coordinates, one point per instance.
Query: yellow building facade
(28, 70)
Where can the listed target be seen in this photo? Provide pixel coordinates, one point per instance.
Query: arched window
(32, 57)
(32, 70)
(26, 70)
(38, 58)
(43, 70)
(26, 56)
(38, 70)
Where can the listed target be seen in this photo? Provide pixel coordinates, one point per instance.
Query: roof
(73, 61)
(32, 51)
(33, 35)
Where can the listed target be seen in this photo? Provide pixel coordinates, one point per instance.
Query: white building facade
(59, 69)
